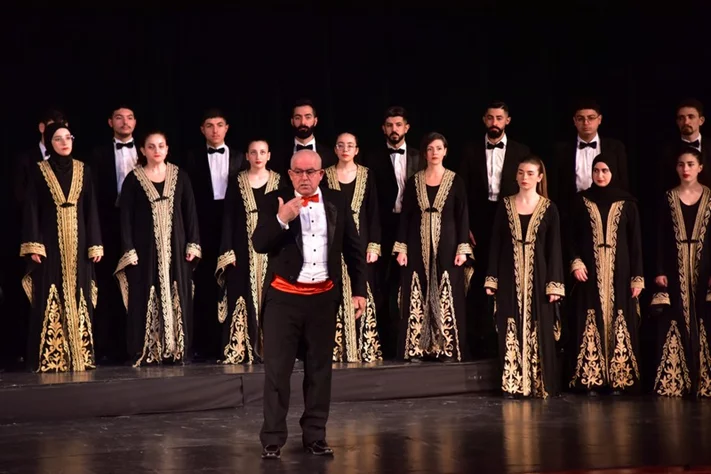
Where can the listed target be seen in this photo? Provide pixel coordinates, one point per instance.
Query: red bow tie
(306, 199)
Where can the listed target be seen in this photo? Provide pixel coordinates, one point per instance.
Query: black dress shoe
(271, 451)
(319, 448)
(617, 393)
(593, 394)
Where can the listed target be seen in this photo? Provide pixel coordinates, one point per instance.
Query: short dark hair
(689, 150)
(497, 104)
(584, 104)
(141, 158)
(52, 115)
(395, 111)
(304, 103)
(693, 103)
(429, 138)
(121, 106)
(213, 112)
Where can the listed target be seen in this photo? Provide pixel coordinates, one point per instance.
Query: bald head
(305, 172)
(306, 159)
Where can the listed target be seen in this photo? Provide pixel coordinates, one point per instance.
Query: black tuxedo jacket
(198, 168)
(285, 246)
(23, 165)
(562, 187)
(281, 158)
(667, 177)
(474, 172)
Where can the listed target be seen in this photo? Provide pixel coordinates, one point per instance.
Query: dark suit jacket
(285, 246)
(281, 157)
(476, 177)
(23, 164)
(562, 188)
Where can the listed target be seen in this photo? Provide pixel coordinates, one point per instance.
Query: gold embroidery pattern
(94, 294)
(450, 332)
(239, 349)
(399, 247)
(193, 249)
(468, 274)
(361, 181)
(152, 347)
(637, 282)
(591, 359)
(29, 248)
(338, 347)
(27, 287)
(179, 334)
(555, 288)
(512, 377)
(415, 320)
(223, 261)
(222, 308)
(523, 276)
(345, 321)
(672, 374)
(577, 264)
(431, 222)
(68, 236)
(704, 389)
(96, 251)
(162, 211)
(623, 363)
(53, 351)
(120, 274)
(539, 388)
(491, 282)
(373, 248)
(464, 249)
(87, 338)
(369, 341)
(660, 298)
(688, 267)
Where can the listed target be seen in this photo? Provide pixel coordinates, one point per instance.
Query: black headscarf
(610, 193)
(60, 164)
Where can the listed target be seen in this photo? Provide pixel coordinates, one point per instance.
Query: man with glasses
(304, 231)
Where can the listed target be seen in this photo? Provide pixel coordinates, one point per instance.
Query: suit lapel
(412, 162)
(331, 216)
(233, 165)
(204, 166)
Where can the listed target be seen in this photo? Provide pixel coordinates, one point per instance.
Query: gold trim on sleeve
(491, 282)
(96, 251)
(223, 261)
(464, 249)
(637, 282)
(373, 248)
(399, 247)
(555, 288)
(30, 248)
(577, 264)
(660, 298)
(194, 249)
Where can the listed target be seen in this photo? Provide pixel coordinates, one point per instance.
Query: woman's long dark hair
(142, 160)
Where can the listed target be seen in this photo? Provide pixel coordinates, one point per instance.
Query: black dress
(159, 226)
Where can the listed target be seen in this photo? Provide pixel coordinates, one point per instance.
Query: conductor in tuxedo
(211, 167)
(110, 163)
(489, 169)
(574, 158)
(392, 165)
(303, 123)
(304, 231)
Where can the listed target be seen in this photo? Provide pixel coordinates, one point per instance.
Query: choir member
(684, 267)
(307, 234)
(432, 247)
(606, 262)
(573, 159)
(211, 168)
(303, 123)
(241, 271)
(488, 169)
(62, 238)
(111, 162)
(357, 341)
(526, 275)
(161, 246)
(391, 166)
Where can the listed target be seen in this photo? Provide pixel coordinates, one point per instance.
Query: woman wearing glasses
(357, 341)
(433, 247)
(240, 270)
(62, 238)
(161, 245)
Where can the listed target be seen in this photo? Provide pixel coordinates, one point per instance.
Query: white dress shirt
(583, 163)
(126, 159)
(219, 171)
(494, 166)
(314, 235)
(43, 150)
(689, 141)
(399, 163)
(311, 142)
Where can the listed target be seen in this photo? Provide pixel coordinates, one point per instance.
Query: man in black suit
(304, 232)
(211, 168)
(110, 164)
(303, 122)
(573, 159)
(392, 165)
(489, 170)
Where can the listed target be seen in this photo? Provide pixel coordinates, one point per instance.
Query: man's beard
(303, 132)
(394, 138)
(686, 130)
(494, 132)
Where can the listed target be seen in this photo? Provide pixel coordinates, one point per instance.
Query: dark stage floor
(463, 434)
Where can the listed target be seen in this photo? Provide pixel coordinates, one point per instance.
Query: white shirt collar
(116, 140)
(596, 138)
(208, 146)
(403, 147)
(43, 149)
(503, 139)
(311, 142)
(689, 141)
(317, 193)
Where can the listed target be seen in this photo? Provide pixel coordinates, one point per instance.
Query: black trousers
(387, 280)
(291, 321)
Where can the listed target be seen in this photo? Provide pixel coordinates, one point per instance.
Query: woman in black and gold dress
(240, 270)
(433, 247)
(161, 246)
(684, 267)
(357, 341)
(606, 261)
(526, 276)
(62, 238)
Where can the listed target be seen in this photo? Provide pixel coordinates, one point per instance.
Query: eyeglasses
(309, 173)
(589, 118)
(68, 138)
(345, 146)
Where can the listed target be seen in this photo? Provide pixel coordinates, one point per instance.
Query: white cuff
(283, 226)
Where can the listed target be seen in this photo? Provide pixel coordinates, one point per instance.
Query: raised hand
(290, 210)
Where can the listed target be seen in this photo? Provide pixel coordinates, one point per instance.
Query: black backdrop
(442, 63)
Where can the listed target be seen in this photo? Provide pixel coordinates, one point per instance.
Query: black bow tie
(694, 144)
(399, 151)
(491, 146)
(583, 145)
(120, 145)
(211, 150)
(304, 147)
